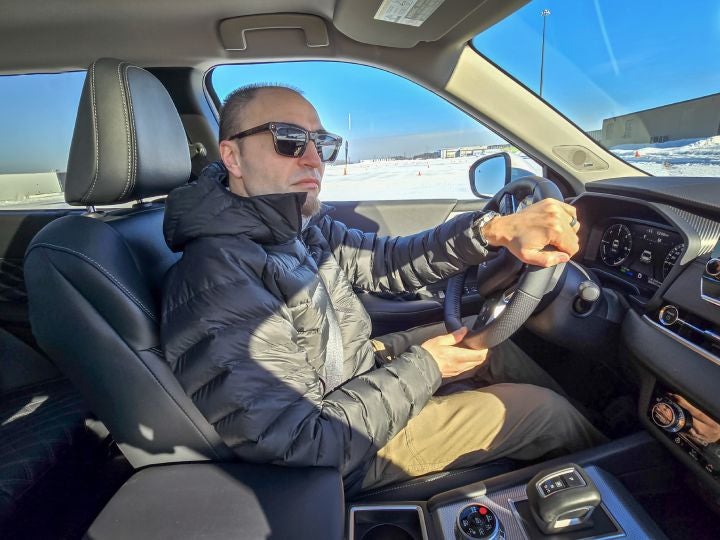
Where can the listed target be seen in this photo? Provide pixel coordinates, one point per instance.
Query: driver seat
(95, 280)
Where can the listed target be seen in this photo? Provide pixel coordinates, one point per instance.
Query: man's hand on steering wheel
(525, 233)
(543, 235)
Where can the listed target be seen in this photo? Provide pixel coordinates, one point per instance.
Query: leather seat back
(95, 281)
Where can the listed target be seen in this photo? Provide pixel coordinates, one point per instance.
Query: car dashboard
(660, 251)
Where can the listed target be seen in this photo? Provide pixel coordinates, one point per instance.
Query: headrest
(129, 142)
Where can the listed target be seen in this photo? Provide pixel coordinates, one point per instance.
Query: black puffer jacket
(245, 323)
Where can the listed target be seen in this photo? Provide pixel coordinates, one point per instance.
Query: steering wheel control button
(478, 521)
(668, 315)
(712, 267)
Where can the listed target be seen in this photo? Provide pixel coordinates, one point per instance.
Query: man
(263, 329)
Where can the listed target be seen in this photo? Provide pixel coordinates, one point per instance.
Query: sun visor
(405, 23)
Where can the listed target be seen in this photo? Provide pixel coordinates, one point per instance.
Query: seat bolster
(94, 260)
(93, 312)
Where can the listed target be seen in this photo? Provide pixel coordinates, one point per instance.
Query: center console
(606, 512)
(558, 500)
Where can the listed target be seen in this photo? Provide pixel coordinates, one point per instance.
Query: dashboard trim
(699, 350)
(707, 298)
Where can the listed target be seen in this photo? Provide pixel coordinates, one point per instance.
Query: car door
(392, 313)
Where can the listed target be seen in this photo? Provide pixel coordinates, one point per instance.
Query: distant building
(463, 151)
(692, 119)
(19, 187)
(595, 134)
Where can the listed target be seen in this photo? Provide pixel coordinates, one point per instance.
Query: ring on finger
(573, 222)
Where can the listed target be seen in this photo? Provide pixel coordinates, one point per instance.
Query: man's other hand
(452, 358)
(546, 223)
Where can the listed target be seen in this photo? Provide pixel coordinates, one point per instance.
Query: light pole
(544, 14)
(346, 146)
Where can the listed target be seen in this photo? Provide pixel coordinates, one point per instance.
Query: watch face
(480, 223)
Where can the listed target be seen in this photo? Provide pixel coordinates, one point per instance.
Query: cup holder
(387, 531)
(401, 522)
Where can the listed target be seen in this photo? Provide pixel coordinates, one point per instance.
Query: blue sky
(605, 58)
(602, 58)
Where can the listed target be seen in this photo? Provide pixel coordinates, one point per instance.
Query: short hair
(238, 100)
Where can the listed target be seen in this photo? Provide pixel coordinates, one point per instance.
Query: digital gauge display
(643, 252)
(671, 258)
(616, 244)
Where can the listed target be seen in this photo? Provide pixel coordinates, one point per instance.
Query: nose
(311, 157)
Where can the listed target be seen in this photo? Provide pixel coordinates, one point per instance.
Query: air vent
(710, 280)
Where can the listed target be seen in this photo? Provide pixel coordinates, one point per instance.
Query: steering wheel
(503, 312)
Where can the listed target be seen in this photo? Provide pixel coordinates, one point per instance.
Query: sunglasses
(291, 140)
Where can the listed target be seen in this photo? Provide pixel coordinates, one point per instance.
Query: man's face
(253, 165)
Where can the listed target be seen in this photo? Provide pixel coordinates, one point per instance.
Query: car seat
(95, 280)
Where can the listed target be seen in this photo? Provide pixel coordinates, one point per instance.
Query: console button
(670, 416)
(477, 521)
(551, 485)
(668, 315)
(712, 267)
(573, 479)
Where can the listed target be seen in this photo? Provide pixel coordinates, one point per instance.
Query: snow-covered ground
(448, 178)
(408, 179)
(689, 157)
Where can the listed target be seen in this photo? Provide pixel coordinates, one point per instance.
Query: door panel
(398, 218)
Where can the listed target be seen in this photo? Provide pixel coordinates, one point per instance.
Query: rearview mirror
(489, 174)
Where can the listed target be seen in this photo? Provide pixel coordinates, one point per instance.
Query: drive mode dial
(478, 521)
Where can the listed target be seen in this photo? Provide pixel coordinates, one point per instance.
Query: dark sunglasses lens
(328, 146)
(290, 141)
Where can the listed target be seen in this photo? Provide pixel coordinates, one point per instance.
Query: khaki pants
(510, 408)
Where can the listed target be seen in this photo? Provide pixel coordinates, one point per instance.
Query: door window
(38, 116)
(403, 141)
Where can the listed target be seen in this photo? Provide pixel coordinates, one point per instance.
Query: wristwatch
(478, 225)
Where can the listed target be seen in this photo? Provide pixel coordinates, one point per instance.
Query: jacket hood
(207, 207)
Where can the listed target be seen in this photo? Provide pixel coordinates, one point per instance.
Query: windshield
(642, 78)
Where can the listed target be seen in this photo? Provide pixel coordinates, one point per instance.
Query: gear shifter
(562, 499)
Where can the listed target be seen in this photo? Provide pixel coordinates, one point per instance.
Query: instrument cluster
(641, 251)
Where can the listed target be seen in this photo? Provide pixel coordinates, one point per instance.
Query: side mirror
(489, 174)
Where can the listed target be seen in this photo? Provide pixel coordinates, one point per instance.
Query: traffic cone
(419, 173)
(637, 153)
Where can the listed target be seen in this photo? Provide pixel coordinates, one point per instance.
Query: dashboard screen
(642, 252)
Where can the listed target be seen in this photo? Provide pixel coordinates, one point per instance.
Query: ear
(230, 155)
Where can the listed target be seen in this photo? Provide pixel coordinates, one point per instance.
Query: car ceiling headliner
(60, 35)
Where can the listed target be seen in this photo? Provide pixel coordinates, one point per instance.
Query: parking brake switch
(562, 499)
